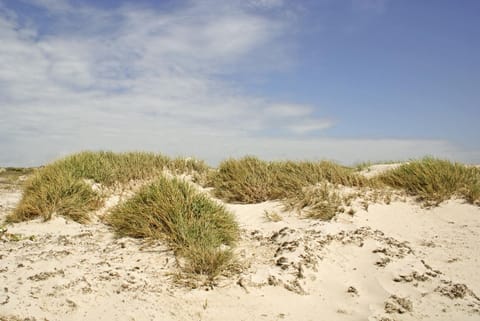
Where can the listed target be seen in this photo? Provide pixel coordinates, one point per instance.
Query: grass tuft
(251, 180)
(434, 180)
(247, 180)
(54, 190)
(108, 168)
(62, 187)
(319, 202)
(199, 229)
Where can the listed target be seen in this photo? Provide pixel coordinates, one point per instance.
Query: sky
(343, 80)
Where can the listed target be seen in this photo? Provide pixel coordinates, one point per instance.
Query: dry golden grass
(108, 168)
(321, 201)
(61, 187)
(11, 177)
(199, 229)
(53, 190)
(246, 180)
(434, 181)
(251, 180)
(304, 186)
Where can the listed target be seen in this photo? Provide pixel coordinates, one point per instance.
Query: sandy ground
(396, 261)
(378, 169)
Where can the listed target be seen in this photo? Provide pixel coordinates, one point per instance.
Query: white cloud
(308, 126)
(288, 110)
(152, 65)
(133, 78)
(212, 146)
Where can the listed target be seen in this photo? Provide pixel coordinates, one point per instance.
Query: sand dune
(396, 261)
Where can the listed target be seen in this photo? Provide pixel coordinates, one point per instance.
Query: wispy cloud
(145, 78)
(310, 126)
(288, 110)
(150, 64)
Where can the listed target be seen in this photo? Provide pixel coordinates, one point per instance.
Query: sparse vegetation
(246, 180)
(250, 180)
(200, 230)
(54, 190)
(108, 168)
(320, 202)
(272, 216)
(362, 166)
(303, 186)
(434, 181)
(15, 237)
(63, 188)
(13, 176)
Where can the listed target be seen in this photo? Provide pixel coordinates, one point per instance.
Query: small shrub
(197, 227)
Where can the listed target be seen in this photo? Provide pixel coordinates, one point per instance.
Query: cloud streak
(149, 78)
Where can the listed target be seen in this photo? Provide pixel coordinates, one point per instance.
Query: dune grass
(319, 202)
(55, 190)
(361, 166)
(13, 176)
(308, 187)
(247, 180)
(251, 180)
(196, 227)
(62, 187)
(108, 168)
(434, 180)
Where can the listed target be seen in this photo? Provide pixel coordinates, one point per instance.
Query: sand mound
(396, 261)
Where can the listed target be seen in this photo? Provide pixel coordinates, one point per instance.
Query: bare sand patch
(394, 261)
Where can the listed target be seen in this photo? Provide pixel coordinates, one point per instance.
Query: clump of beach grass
(199, 229)
(251, 180)
(319, 202)
(308, 187)
(109, 168)
(53, 190)
(247, 180)
(434, 180)
(63, 187)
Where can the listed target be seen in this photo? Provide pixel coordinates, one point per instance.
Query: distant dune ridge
(142, 236)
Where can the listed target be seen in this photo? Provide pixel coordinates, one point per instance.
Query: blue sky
(347, 80)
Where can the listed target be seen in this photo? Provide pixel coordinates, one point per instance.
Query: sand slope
(392, 262)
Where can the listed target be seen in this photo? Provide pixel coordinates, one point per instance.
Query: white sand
(394, 262)
(377, 169)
